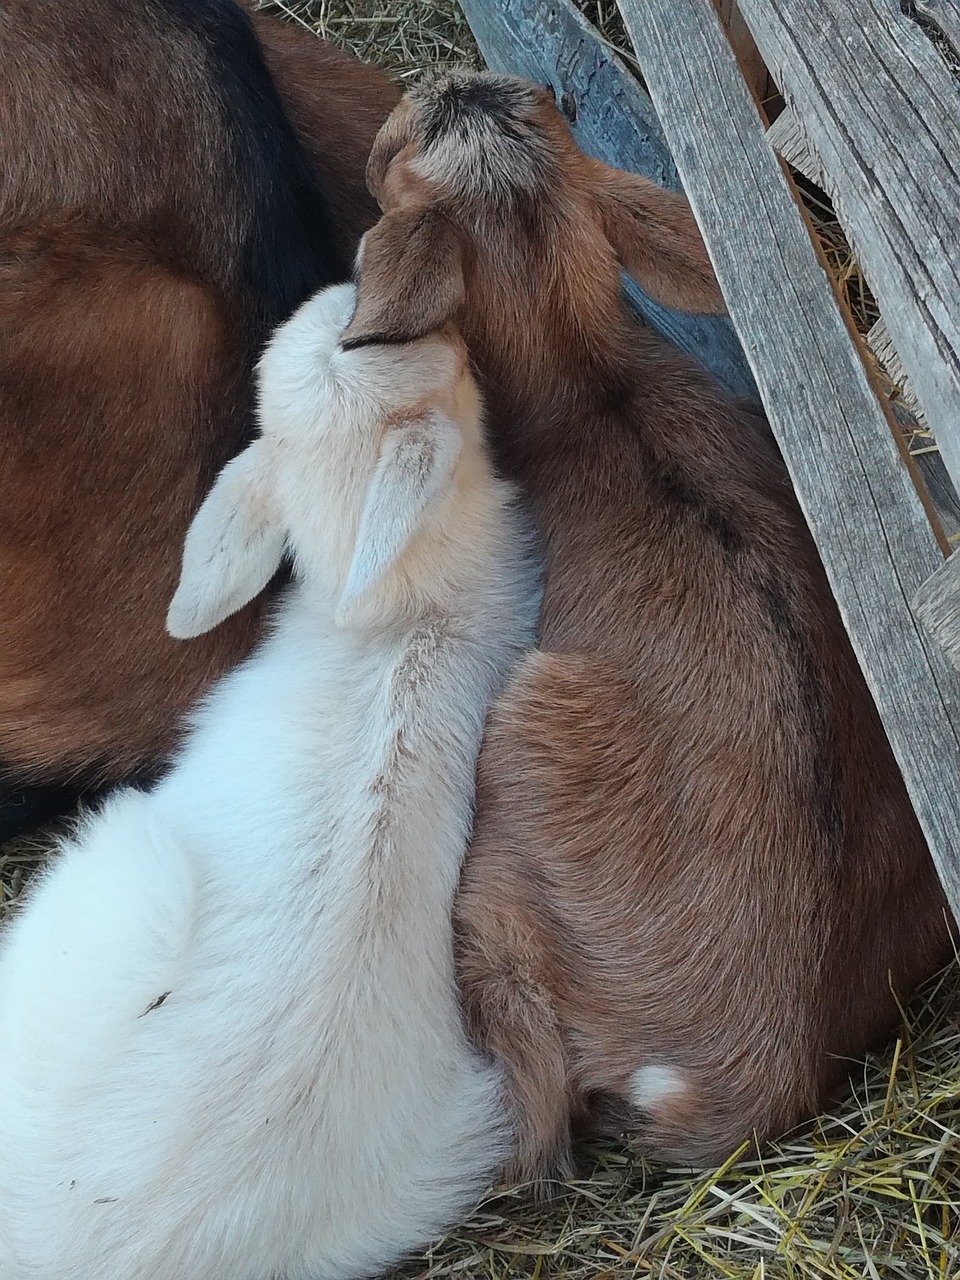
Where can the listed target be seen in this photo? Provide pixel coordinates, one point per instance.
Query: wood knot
(568, 106)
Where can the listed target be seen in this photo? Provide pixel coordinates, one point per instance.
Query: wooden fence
(871, 111)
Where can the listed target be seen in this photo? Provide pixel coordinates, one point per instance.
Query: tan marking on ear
(403, 186)
(396, 133)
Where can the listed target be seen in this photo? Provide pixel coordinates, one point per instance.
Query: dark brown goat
(162, 207)
(696, 882)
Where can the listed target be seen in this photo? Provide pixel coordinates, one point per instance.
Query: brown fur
(693, 848)
(127, 336)
(114, 369)
(94, 130)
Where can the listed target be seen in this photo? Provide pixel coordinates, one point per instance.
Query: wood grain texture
(550, 42)
(935, 477)
(881, 344)
(945, 15)
(788, 139)
(882, 112)
(850, 475)
(939, 486)
(937, 605)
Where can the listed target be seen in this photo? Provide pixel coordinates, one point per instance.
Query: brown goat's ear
(411, 278)
(656, 238)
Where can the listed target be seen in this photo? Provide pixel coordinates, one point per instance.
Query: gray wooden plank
(550, 42)
(939, 486)
(851, 479)
(944, 14)
(932, 472)
(788, 139)
(935, 477)
(882, 113)
(881, 344)
(937, 605)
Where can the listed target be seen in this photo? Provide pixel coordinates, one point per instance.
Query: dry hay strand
(870, 1192)
(18, 861)
(607, 20)
(406, 37)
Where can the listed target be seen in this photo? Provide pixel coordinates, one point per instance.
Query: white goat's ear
(232, 549)
(416, 464)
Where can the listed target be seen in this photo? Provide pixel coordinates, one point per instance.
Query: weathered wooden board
(849, 473)
(937, 605)
(944, 14)
(880, 343)
(882, 113)
(939, 486)
(935, 477)
(550, 42)
(877, 155)
(788, 139)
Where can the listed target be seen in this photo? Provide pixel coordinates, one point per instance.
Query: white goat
(231, 1045)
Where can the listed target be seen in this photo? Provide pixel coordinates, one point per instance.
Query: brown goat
(163, 205)
(696, 882)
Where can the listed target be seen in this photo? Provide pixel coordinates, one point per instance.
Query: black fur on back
(289, 252)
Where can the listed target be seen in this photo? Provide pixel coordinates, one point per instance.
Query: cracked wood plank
(882, 113)
(879, 342)
(939, 486)
(937, 605)
(850, 475)
(552, 43)
(787, 138)
(882, 110)
(945, 16)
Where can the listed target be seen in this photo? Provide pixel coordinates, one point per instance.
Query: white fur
(303, 1102)
(655, 1083)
